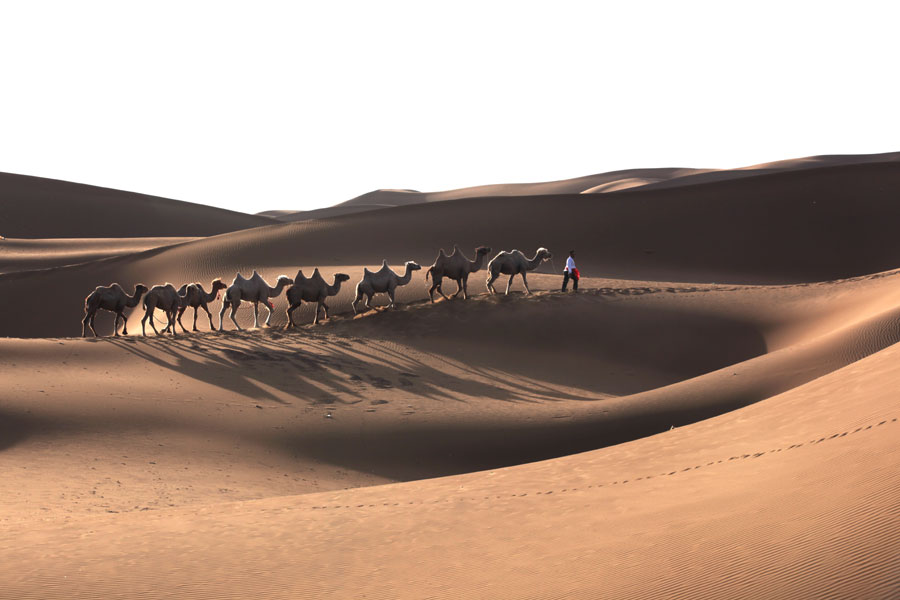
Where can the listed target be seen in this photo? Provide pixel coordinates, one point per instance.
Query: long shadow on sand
(313, 368)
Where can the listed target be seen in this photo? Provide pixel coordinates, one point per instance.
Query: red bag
(576, 275)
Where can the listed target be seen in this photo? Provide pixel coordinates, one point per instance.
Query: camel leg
(325, 308)
(391, 295)
(256, 314)
(88, 322)
(437, 285)
(116, 323)
(147, 314)
(290, 315)
(318, 309)
(269, 307)
(225, 305)
(509, 283)
(434, 286)
(180, 314)
(234, 307)
(525, 282)
(195, 320)
(490, 283)
(93, 316)
(208, 314)
(465, 287)
(440, 290)
(170, 315)
(368, 300)
(355, 302)
(152, 312)
(124, 324)
(459, 287)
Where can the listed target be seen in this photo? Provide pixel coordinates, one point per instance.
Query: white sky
(287, 105)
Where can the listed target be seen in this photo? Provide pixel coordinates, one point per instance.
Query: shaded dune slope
(35, 207)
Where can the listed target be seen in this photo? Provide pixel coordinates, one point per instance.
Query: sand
(711, 416)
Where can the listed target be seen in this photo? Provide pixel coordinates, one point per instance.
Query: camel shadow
(305, 365)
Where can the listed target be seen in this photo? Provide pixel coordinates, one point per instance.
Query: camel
(114, 299)
(383, 280)
(166, 298)
(312, 289)
(512, 264)
(253, 290)
(196, 297)
(456, 267)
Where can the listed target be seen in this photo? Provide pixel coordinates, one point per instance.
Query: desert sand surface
(712, 415)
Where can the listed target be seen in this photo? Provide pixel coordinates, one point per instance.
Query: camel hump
(456, 249)
(442, 253)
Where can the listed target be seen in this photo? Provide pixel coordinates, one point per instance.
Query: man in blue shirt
(570, 272)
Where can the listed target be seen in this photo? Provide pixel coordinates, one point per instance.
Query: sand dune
(30, 255)
(592, 184)
(35, 207)
(712, 415)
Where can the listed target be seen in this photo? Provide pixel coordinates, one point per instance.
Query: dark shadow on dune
(311, 368)
(582, 341)
(420, 450)
(15, 427)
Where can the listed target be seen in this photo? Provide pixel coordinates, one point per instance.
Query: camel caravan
(174, 302)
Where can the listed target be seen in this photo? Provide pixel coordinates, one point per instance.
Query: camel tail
(428, 273)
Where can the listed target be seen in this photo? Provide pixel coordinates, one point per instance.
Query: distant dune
(34, 207)
(591, 184)
(712, 415)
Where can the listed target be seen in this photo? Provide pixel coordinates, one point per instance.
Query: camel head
(217, 285)
(140, 289)
(412, 265)
(482, 250)
(544, 254)
(341, 277)
(284, 280)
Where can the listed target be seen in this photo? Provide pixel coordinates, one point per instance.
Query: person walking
(570, 272)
